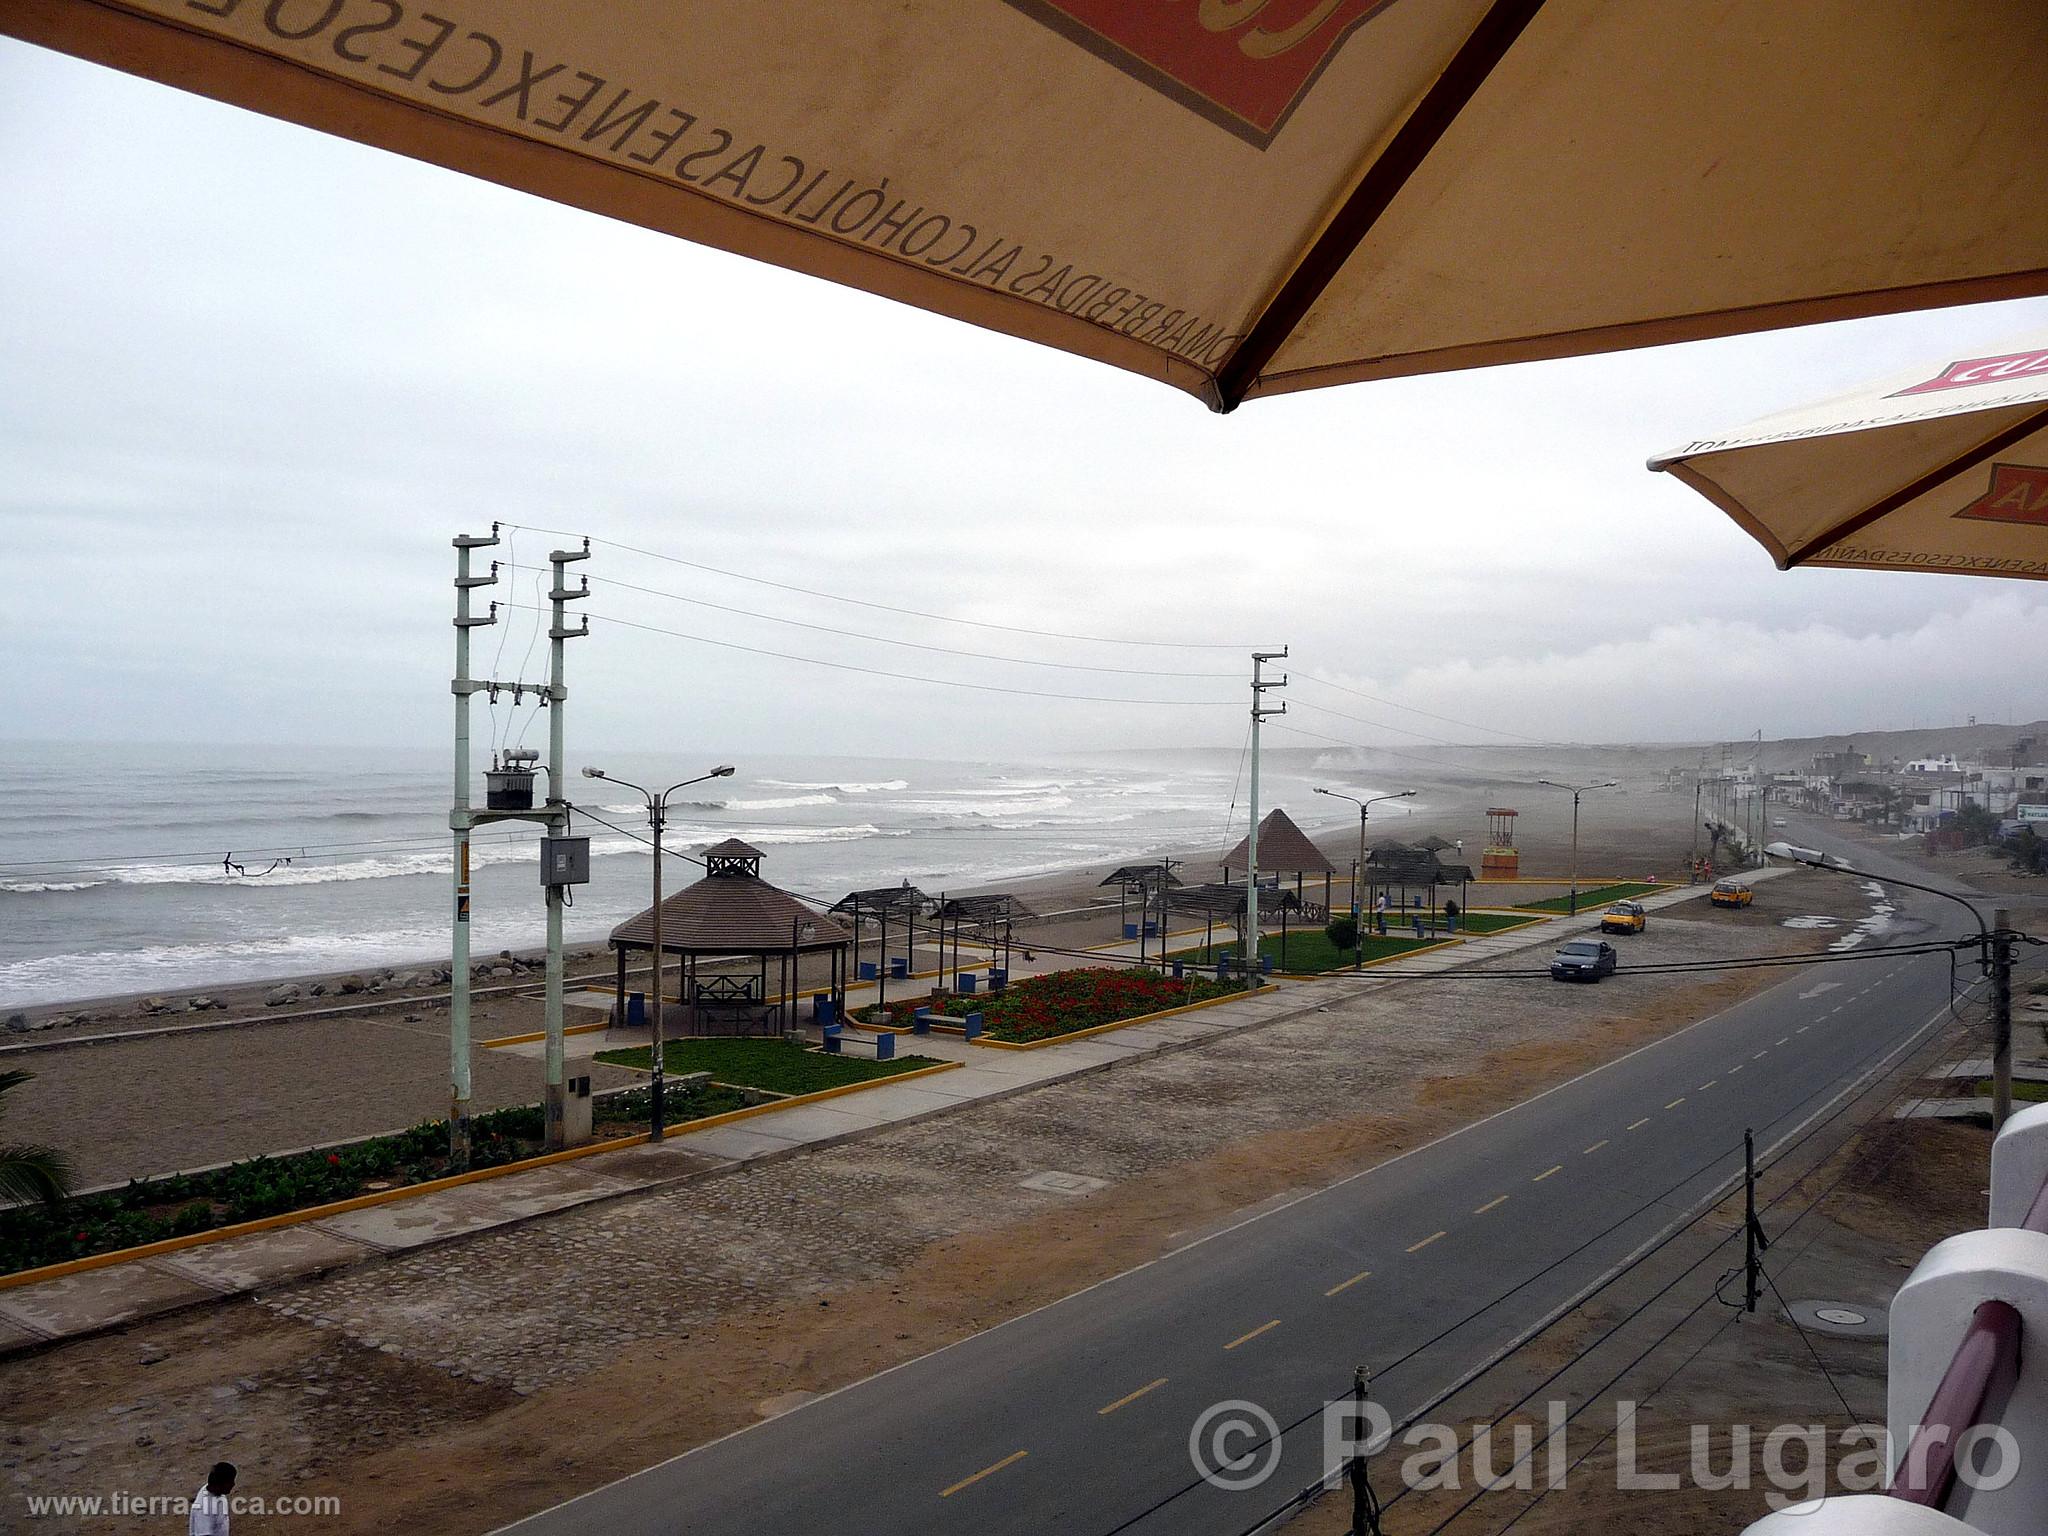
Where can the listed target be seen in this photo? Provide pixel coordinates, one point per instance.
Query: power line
(943, 650)
(1470, 725)
(861, 602)
(909, 677)
(1363, 746)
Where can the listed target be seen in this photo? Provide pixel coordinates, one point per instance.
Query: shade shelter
(1147, 882)
(1283, 849)
(986, 920)
(731, 917)
(1232, 197)
(885, 905)
(1942, 468)
(1404, 867)
(1224, 902)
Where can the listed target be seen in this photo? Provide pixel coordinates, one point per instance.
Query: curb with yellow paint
(431, 1186)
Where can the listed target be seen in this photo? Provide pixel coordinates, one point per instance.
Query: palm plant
(29, 1173)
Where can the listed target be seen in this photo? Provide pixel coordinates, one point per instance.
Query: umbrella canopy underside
(1234, 196)
(1941, 469)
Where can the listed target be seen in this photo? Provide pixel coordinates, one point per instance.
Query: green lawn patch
(1061, 1002)
(772, 1064)
(2031, 1093)
(1311, 951)
(150, 1210)
(1591, 900)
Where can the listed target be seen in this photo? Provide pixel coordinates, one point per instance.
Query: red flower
(82, 1237)
(334, 1158)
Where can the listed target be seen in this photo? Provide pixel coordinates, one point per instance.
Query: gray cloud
(255, 379)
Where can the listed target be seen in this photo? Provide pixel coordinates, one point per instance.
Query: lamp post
(1995, 939)
(1577, 790)
(1358, 871)
(657, 817)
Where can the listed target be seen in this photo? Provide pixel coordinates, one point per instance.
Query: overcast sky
(252, 379)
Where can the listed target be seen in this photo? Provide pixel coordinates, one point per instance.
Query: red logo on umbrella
(2018, 494)
(1984, 370)
(1243, 64)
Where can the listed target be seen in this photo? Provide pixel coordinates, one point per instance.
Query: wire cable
(861, 602)
(1373, 698)
(910, 677)
(943, 650)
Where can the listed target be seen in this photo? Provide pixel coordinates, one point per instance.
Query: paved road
(1076, 1417)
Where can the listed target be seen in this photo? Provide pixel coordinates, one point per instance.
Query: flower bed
(150, 1210)
(1062, 1002)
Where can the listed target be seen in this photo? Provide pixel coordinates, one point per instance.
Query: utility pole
(459, 823)
(1754, 1242)
(1260, 686)
(2001, 1018)
(1577, 790)
(557, 823)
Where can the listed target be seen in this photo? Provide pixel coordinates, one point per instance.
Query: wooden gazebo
(730, 915)
(1405, 866)
(1284, 849)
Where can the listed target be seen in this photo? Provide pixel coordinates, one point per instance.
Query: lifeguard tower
(1501, 861)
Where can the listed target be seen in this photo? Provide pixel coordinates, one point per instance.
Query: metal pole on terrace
(459, 823)
(1250, 949)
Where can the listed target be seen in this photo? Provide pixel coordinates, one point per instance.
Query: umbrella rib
(2025, 427)
(1382, 182)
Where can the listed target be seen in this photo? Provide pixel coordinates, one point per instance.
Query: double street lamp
(657, 818)
(1577, 790)
(1358, 870)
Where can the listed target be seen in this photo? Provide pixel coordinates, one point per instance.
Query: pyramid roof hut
(733, 916)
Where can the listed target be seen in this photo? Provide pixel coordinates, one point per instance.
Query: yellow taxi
(1731, 893)
(1624, 917)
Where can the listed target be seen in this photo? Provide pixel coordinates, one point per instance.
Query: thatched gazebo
(1284, 849)
(733, 914)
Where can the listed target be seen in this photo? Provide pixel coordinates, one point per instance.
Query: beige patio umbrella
(1235, 196)
(1944, 468)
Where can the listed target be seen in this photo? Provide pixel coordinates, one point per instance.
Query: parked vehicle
(1731, 893)
(1624, 917)
(1583, 960)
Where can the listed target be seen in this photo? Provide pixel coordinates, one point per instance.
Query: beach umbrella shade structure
(1236, 197)
(1943, 468)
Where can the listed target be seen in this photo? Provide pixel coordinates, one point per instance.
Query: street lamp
(1358, 869)
(657, 817)
(1994, 942)
(1577, 790)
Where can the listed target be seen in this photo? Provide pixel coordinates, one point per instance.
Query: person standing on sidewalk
(210, 1504)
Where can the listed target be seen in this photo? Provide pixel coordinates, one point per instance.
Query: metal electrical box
(565, 861)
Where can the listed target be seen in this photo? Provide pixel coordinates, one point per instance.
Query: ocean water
(115, 862)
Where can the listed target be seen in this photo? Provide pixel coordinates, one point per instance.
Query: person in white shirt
(210, 1503)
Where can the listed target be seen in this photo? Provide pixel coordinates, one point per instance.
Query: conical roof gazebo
(1284, 849)
(733, 914)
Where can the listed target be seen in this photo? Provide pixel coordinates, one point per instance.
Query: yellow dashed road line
(1418, 1247)
(1594, 1148)
(1555, 1168)
(1246, 1338)
(1495, 1201)
(1131, 1397)
(968, 1482)
(1703, 1087)
(1640, 1123)
(1782, 1040)
(1345, 1285)
(1676, 1102)
(1736, 1068)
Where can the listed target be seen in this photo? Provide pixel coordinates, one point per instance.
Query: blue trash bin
(824, 1010)
(899, 968)
(636, 1010)
(1266, 964)
(1130, 930)
(1178, 970)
